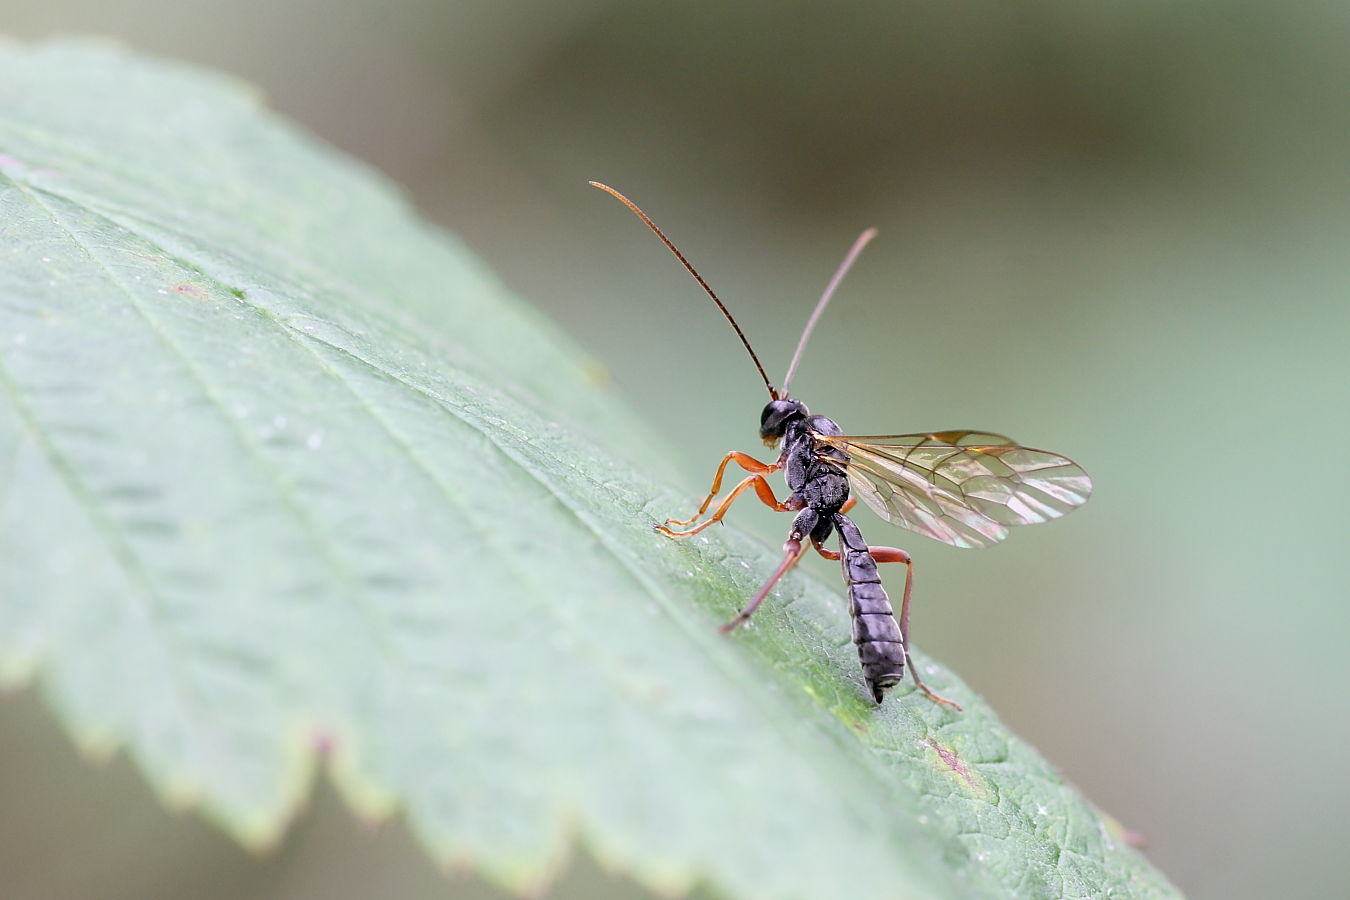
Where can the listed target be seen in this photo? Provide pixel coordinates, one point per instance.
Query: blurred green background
(1116, 231)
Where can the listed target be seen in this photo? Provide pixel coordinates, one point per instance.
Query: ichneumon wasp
(963, 488)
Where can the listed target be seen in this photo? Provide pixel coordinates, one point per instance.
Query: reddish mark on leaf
(1112, 828)
(10, 163)
(952, 760)
(324, 743)
(191, 290)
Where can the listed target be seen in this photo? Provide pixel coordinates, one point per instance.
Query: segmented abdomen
(881, 650)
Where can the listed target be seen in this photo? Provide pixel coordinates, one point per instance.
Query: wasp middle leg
(794, 550)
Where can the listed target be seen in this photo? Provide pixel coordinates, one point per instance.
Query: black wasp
(964, 488)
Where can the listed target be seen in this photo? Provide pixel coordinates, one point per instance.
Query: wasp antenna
(697, 277)
(824, 301)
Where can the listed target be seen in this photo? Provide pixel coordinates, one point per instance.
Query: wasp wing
(963, 488)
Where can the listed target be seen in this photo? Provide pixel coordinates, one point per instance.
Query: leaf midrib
(782, 722)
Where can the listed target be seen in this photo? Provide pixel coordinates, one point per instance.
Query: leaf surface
(286, 476)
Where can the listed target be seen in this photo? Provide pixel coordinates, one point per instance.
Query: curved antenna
(824, 301)
(697, 277)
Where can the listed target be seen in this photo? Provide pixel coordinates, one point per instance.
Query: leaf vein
(322, 542)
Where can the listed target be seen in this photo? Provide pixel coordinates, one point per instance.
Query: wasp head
(773, 422)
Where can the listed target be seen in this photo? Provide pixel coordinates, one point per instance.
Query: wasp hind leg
(896, 555)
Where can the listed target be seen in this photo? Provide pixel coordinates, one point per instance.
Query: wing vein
(964, 488)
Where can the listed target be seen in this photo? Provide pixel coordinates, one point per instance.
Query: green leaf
(286, 476)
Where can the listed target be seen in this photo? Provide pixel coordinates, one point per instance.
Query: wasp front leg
(762, 490)
(746, 462)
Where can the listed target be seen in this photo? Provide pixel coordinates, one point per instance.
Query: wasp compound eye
(777, 413)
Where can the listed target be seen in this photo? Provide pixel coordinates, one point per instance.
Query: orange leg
(896, 555)
(762, 490)
(745, 461)
(794, 550)
(828, 554)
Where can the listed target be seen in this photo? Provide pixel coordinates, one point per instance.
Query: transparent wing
(964, 488)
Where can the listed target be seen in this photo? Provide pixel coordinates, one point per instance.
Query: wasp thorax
(777, 414)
